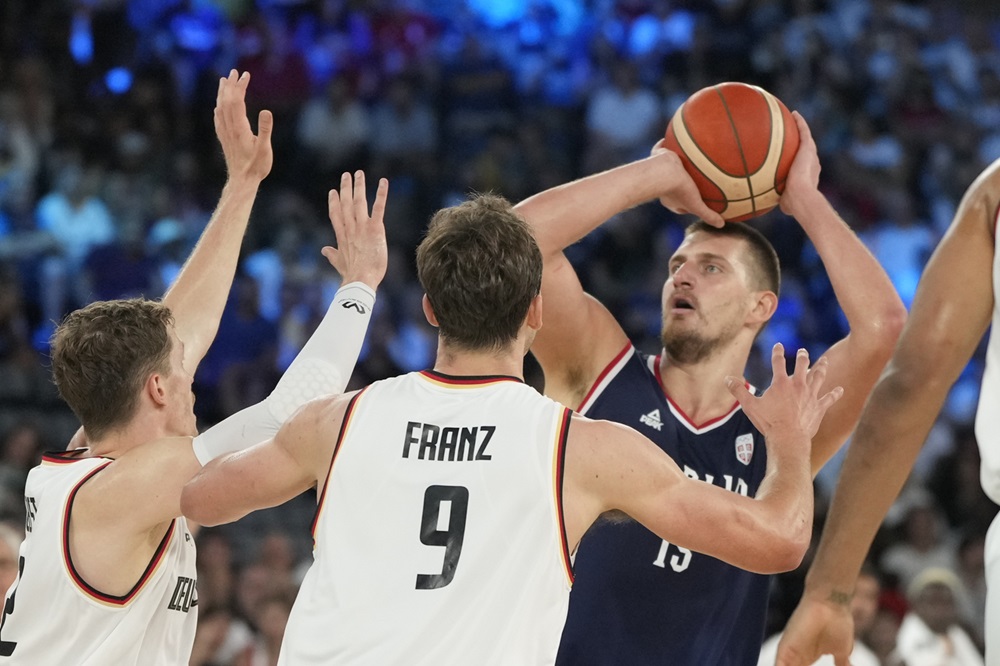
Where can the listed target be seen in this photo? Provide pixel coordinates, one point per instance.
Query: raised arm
(873, 309)
(950, 314)
(766, 534)
(271, 472)
(324, 365)
(580, 336)
(199, 294)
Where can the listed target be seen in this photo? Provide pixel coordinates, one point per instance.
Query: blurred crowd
(109, 170)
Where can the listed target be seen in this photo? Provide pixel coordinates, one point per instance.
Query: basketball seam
(703, 154)
(739, 146)
(757, 195)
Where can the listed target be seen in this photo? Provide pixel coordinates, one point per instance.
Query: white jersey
(53, 617)
(988, 413)
(438, 538)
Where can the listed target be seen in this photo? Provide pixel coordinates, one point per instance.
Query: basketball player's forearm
(893, 428)
(863, 289)
(562, 215)
(198, 296)
(785, 499)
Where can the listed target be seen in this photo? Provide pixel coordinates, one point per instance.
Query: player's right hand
(792, 404)
(246, 155)
(817, 627)
(361, 254)
(681, 194)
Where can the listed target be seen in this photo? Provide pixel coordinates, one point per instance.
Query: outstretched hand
(247, 155)
(817, 627)
(361, 254)
(681, 195)
(792, 403)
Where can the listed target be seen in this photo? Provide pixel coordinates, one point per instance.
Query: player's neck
(460, 362)
(142, 428)
(699, 389)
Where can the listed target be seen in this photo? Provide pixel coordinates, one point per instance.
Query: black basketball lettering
(481, 453)
(451, 538)
(7, 647)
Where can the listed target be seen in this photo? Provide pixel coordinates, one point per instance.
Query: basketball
(737, 141)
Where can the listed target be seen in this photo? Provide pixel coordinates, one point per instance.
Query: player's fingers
(778, 368)
(738, 387)
(828, 399)
(347, 201)
(333, 256)
(232, 107)
(817, 374)
(801, 363)
(381, 194)
(243, 81)
(336, 217)
(360, 197)
(265, 123)
(803, 126)
(709, 216)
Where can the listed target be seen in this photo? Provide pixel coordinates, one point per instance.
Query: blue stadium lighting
(118, 80)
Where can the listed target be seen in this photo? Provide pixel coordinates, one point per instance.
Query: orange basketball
(737, 141)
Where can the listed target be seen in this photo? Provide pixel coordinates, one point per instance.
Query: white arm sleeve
(324, 366)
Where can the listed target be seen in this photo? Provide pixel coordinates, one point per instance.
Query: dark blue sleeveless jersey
(637, 599)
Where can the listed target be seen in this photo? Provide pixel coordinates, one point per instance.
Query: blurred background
(109, 170)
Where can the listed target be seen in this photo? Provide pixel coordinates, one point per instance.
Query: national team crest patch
(744, 448)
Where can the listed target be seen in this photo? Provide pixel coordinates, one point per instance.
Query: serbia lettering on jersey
(639, 600)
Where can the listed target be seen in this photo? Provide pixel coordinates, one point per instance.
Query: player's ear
(764, 306)
(429, 311)
(155, 389)
(534, 319)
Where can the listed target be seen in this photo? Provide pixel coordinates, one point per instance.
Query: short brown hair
(103, 353)
(765, 270)
(480, 267)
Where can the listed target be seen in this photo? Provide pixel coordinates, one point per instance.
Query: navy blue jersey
(638, 599)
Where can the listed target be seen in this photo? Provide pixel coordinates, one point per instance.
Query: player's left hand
(803, 176)
(817, 627)
(361, 254)
(246, 155)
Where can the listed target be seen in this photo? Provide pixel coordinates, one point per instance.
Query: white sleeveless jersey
(439, 537)
(988, 412)
(53, 617)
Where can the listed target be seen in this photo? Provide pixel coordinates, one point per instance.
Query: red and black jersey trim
(72, 456)
(604, 373)
(345, 422)
(469, 380)
(560, 467)
(78, 579)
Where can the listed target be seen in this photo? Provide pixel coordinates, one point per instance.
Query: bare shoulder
(312, 433)
(599, 445)
(322, 413)
(140, 489)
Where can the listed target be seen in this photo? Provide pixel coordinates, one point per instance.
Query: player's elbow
(790, 553)
(194, 506)
(890, 323)
(787, 546)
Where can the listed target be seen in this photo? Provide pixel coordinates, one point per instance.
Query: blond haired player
(954, 305)
(107, 569)
(451, 500)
